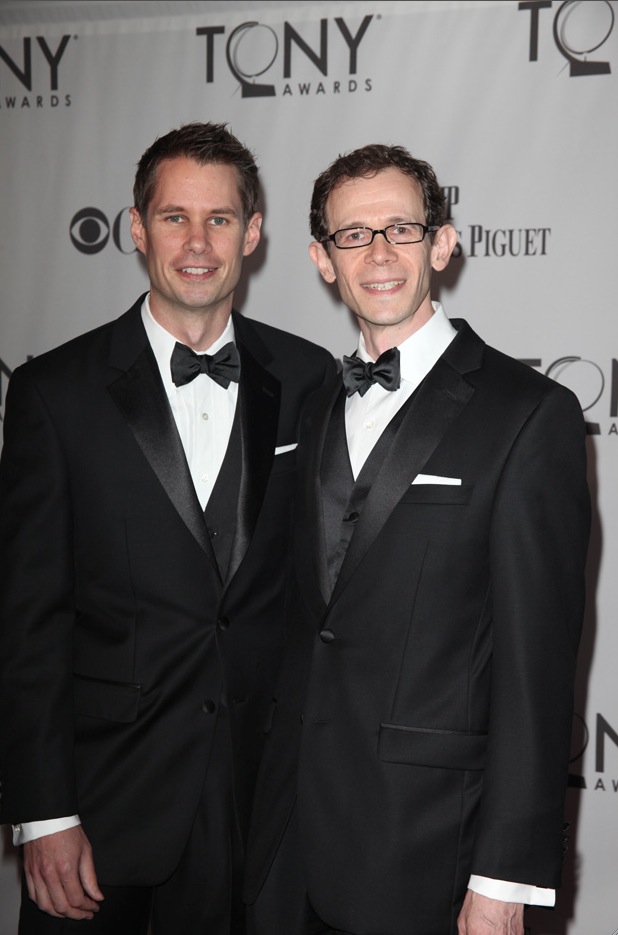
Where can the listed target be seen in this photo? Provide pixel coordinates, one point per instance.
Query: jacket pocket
(419, 746)
(112, 701)
(284, 462)
(438, 493)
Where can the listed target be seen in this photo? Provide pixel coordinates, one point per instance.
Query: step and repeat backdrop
(515, 104)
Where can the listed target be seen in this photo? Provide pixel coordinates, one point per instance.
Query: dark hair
(205, 143)
(367, 162)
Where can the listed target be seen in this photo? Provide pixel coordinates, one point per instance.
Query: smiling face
(194, 239)
(386, 286)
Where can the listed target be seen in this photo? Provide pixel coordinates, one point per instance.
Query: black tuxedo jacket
(120, 640)
(423, 714)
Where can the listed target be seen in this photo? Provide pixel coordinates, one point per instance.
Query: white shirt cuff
(512, 892)
(31, 830)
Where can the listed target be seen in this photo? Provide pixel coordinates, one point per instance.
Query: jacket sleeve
(36, 612)
(538, 544)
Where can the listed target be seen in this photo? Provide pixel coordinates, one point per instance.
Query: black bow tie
(358, 376)
(222, 367)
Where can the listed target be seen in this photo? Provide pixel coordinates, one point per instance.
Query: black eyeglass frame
(426, 229)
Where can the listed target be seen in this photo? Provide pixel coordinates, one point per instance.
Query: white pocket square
(436, 479)
(283, 448)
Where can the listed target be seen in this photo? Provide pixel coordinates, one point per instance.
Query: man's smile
(384, 286)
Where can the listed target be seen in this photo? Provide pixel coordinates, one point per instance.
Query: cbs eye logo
(90, 231)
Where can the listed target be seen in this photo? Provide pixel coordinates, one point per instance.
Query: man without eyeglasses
(146, 487)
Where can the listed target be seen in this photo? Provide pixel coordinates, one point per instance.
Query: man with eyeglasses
(415, 769)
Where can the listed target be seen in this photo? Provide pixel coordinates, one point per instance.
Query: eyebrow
(394, 219)
(180, 209)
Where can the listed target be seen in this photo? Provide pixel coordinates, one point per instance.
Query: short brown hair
(204, 143)
(367, 162)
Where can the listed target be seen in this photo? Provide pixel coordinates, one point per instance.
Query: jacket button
(327, 636)
(209, 707)
(223, 623)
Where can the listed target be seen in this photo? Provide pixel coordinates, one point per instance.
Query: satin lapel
(140, 397)
(310, 536)
(438, 403)
(259, 398)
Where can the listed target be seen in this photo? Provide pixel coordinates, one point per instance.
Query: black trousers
(201, 897)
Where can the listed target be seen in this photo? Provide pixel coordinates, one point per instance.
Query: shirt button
(204, 478)
(209, 707)
(205, 416)
(369, 424)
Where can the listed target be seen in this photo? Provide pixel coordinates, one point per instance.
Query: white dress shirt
(367, 416)
(204, 413)
(203, 410)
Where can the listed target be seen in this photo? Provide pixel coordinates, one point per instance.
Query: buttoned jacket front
(423, 714)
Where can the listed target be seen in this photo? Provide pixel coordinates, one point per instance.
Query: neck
(380, 338)
(197, 329)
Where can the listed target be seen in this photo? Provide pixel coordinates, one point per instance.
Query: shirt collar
(421, 350)
(163, 343)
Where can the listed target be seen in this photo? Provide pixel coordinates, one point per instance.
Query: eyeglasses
(351, 237)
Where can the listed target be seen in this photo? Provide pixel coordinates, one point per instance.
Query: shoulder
(285, 354)
(515, 382)
(75, 356)
(275, 338)
(61, 363)
(521, 383)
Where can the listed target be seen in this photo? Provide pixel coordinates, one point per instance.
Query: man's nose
(198, 240)
(380, 250)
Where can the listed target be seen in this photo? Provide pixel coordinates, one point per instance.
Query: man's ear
(138, 231)
(252, 233)
(319, 255)
(445, 241)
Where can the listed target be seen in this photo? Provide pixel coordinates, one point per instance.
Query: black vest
(342, 497)
(221, 510)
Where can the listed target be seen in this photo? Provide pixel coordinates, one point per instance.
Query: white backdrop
(514, 104)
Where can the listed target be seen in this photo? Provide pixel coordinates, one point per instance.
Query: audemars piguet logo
(479, 240)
